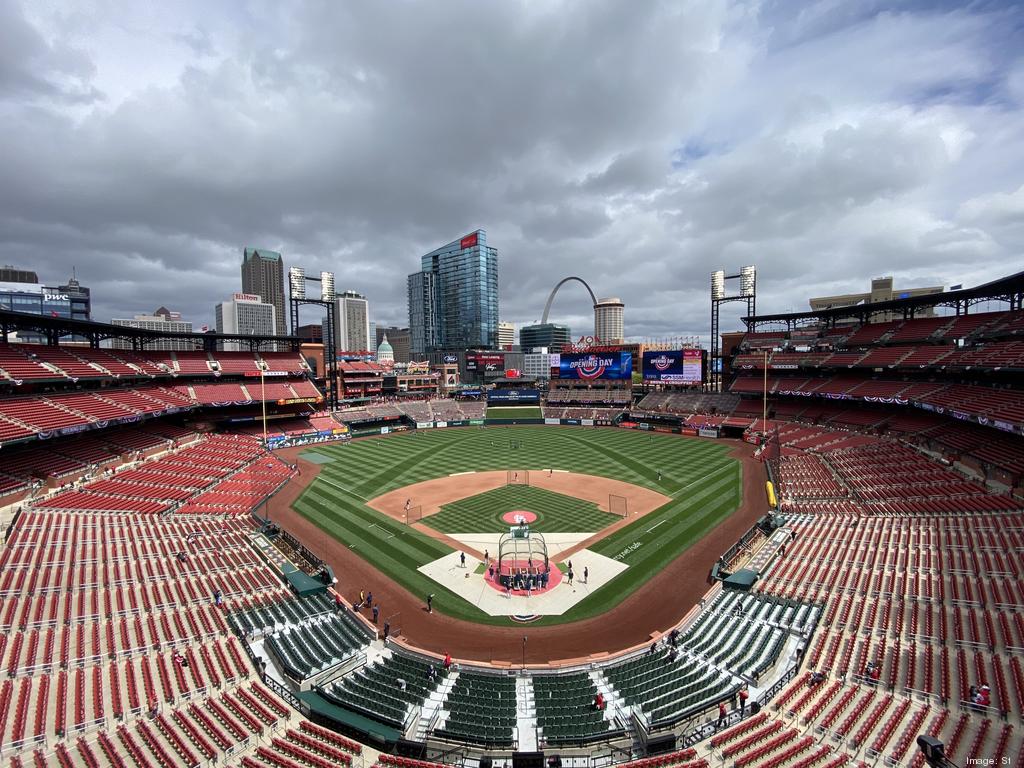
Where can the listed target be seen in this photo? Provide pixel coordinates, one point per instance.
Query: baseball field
(697, 485)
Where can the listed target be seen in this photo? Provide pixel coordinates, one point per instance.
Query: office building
(400, 340)
(263, 275)
(609, 320)
(424, 320)
(549, 335)
(881, 290)
(352, 321)
(313, 333)
(10, 274)
(23, 293)
(78, 297)
(506, 335)
(162, 320)
(537, 364)
(245, 314)
(453, 299)
(34, 299)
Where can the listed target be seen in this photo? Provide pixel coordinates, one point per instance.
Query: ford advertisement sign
(531, 396)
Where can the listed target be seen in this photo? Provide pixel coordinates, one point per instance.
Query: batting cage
(618, 505)
(518, 477)
(413, 514)
(521, 553)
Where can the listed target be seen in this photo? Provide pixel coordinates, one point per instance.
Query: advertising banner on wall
(514, 396)
(597, 365)
(683, 366)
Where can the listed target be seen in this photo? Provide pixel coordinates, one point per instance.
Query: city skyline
(828, 144)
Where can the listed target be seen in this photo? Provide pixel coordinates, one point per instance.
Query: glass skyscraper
(453, 301)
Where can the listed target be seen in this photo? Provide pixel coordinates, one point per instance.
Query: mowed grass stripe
(482, 513)
(363, 523)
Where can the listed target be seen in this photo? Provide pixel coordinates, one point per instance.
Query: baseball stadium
(810, 556)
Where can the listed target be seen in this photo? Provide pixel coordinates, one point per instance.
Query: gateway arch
(563, 281)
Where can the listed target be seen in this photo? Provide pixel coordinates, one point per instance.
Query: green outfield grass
(555, 513)
(517, 412)
(702, 480)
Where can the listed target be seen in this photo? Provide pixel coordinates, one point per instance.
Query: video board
(484, 361)
(681, 366)
(596, 365)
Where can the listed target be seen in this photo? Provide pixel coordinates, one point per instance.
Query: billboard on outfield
(596, 365)
(682, 366)
(530, 396)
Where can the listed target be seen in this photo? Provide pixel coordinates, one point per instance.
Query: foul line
(655, 526)
(701, 480)
(343, 488)
(383, 530)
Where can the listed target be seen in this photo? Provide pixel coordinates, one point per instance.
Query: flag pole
(764, 400)
(263, 398)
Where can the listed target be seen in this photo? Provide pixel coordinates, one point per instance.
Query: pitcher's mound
(518, 517)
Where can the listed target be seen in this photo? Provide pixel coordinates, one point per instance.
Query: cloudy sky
(638, 144)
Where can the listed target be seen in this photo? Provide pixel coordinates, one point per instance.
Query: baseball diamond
(459, 480)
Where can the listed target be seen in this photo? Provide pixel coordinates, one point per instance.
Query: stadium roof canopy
(1009, 289)
(56, 328)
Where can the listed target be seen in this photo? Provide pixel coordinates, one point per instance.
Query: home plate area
(482, 590)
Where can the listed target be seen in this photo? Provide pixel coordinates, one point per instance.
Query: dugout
(741, 581)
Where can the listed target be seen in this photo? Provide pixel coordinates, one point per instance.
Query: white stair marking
(434, 704)
(526, 715)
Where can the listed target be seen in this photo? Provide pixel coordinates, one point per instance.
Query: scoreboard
(683, 366)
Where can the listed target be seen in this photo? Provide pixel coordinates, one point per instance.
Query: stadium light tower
(747, 277)
(297, 280)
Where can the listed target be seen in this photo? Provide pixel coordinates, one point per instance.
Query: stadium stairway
(526, 716)
(432, 713)
(616, 709)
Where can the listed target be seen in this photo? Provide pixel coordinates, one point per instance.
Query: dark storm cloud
(32, 69)
(637, 146)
